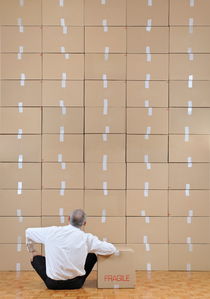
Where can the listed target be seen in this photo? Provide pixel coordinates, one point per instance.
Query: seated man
(70, 253)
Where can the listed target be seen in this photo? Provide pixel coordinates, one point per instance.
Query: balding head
(78, 218)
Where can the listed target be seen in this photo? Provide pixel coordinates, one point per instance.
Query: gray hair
(77, 218)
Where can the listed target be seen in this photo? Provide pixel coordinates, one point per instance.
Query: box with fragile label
(117, 270)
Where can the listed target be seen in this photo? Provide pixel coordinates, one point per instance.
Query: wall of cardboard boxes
(105, 105)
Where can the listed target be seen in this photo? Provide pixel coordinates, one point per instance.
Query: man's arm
(100, 247)
(36, 235)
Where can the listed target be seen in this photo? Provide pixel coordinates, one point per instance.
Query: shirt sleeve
(37, 235)
(99, 247)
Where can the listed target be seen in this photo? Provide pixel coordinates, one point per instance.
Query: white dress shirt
(66, 249)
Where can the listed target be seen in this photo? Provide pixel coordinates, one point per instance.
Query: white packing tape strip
(19, 215)
(61, 3)
(60, 158)
(105, 239)
(187, 190)
(149, 111)
(22, 79)
(62, 22)
(146, 189)
(61, 212)
(62, 48)
(149, 2)
(63, 165)
(20, 107)
(192, 3)
(189, 220)
(190, 247)
(62, 188)
(190, 54)
(145, 239)
(19, 189)
(116, 286)
(146, 103)
(61, 136)
(149, 266)
(107, 130)
(63, 108)
(64, 76)
(20, 21)
(20, 52)
(65, 29)
(149, 25)
(146, 82)
(105, 82)
(147, 247)
(18, 267)
(189, 162)
(188, 267)
(106, 53)
(19, 245)
(190, 213)
(146, 160)
(188, 240)
(191, 23)
(105, 109)
(148, 132)
(104, 162)
(104, 23)
(104, 137)
(117, 253)
(67, 55)
(147, 219)
(20, 133)
(105, 188)
(190, 81)
(21, 3)
(20, 161)
(143, 213)
(148, 53)
(103, 217)
(189, 109)
(186, 134)
(103, 2)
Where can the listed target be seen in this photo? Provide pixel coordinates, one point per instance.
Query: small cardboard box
(117, 270)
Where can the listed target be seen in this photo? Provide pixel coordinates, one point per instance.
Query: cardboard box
(139, 119)
(16, 226)
(183, 228)
(114, 93)
(197, 203)
(54, 39)
(96, 39)
(71, 95)
(71, 11)
(114, 67)
(181, 39)
(138, 12)
(181, 67)
(155, 204)
(11, 10)
(55, 65)
(29, 120)
(12, 38)
(98, 204)
(147, 230)
(71, 149)
(26, 204)
(29, 175)
(110, 229)
(54, 177)
(54, 204)
(12, 93)
(156, 147)
(198, 121)
(139, 176)
(97, 178)
(150, 256)
(54, 119)
(181, 11)
(197, 148)
(112, 11)
(52, 220)
(117, 270)
(97, 119)
(138, 39)
(96, 148)
(154, 96)
(180, 94)
(138, 67)
(185, 258)
(29, 65)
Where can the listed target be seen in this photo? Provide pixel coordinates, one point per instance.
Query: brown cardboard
(96, 147)
(27, 204)
(138, 174)
(181, 11)
(138, 67)
(98, 204)
(16, 227)
(71, 12)
(181, 67)
(11, 147)
(138, 38)
(156, 147)
(114, 176)
(12, 92)
(180, 94)
(53, 175)
(54, 65)
(138, 12)
(52, 220)
(138, 119)
(54, 39)
(71, 149)
(117, 270)
(54, 204)
(154, 96)
(113, 11)
(29, 64)
(11, 10)
(155, 204)
(114, 93)
(154, 256)
(53, 119)
(96, 40)
(114, 67)
(195, 228)
(53, 93)
(197, 148)
(29, 175)
(198, 121)
(185, 259)
(197, 203)
(181, 39)
(29, 120)
(147, 230)
(110, 229)
(96, 121)
(12, 39)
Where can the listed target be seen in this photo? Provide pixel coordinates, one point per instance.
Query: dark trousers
(39, 265)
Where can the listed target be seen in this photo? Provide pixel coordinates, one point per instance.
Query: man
(70, 253)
